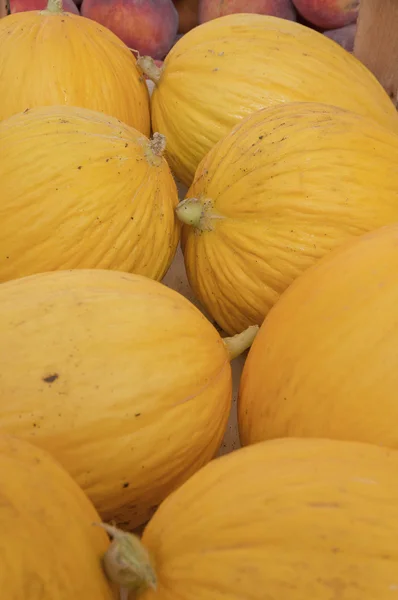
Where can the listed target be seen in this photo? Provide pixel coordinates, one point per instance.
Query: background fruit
(322, 365)
(316, 504)
(124, 381)
(149, 27)
(328, 14)
(212, 9)
(225, 69)
(83, 190)
(92, 68)
(48, 546)
(344, 36)
(285, 187)
(23, 5)
(187, 14)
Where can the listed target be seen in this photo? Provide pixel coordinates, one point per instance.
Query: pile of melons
(268, 155)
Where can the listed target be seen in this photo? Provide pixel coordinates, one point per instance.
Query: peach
(25, 5)
(188, 14)
(149, 27)
(211, 9)
(328, 14)
(344, 36)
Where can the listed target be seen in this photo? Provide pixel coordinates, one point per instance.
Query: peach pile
(211, 9)
(24, 5)
(328, 14)
(153, 27)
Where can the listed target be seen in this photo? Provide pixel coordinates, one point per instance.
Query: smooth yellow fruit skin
(122, 379)
(82, 190)
(60, 58)
(49, 548)
(323, 364)
(227, 68)
(284, 188)
(296, 519)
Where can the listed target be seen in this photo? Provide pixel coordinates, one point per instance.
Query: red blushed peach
(149, 27)
(344, 36)
(328, 14)
(211, 9)
(188, 14)
(25, 5)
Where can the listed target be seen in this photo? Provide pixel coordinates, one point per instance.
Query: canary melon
(52, 57)
(286, 186)
(294, 519)
(225, 69)
(83, 190)
(324, 361)
(122, 379)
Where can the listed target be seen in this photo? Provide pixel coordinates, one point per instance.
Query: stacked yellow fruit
(290, 148)
(225, 69)
(281, 190)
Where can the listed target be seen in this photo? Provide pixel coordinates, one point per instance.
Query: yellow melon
(227, 68)
(323, 364)
(122, 379)
(52, 57)
(83, 190)
(289, 519)
(49, 548)
(286, 186)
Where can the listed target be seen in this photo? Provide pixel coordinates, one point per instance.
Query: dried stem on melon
(237, 344)
(150, 68)
(127, 562)
(196, 213)
(158, 144)
(155, 149)
(54, 6)
(190, 212)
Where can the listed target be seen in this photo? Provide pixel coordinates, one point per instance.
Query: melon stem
(190, 212)
(155, 148)
(149, 68)
(127, 562)
(55, 6)
(240, 342)
(158, 144)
